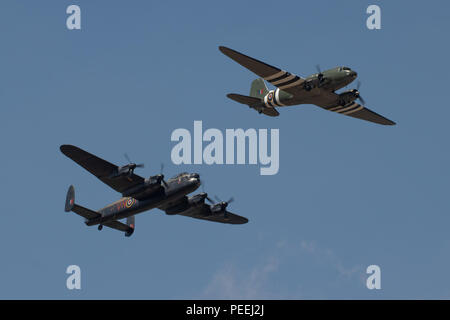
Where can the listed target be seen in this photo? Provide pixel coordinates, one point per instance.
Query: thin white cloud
(327, 256)
(234, 281)
(231, 283)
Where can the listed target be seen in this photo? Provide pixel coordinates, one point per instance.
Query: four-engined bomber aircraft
(139, 194)
(318, 89)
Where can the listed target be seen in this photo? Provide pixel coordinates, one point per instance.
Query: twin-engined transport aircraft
(318, 89)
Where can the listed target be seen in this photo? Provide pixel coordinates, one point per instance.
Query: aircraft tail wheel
(100, 227)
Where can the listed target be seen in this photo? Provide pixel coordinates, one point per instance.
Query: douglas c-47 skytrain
(139, 194)
(318, 89)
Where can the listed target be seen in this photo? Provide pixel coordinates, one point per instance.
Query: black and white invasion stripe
(349, 108)
(284, 79)
(272, 99)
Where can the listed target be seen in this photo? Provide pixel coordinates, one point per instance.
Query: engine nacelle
(197, 199)
(219, 208)
(348, 97)
(186, 203)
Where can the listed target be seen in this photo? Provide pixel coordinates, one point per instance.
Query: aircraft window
(346, 68)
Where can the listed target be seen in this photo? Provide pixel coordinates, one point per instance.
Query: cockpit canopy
(181, 175)
(345, 69)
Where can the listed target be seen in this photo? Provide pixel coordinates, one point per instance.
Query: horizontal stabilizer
(128, 229)
(250, 101)
(88, 214)
(254, 103)
(85, 212)
(271, 112)
(72, 206)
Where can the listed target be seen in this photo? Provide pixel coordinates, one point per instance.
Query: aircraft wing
(203, 212)
(282, 79)
(100, 168)
(356, 110)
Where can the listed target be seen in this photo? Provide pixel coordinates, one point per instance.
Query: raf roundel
(130, 202)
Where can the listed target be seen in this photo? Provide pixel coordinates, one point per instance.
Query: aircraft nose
(353, 74)
(195, 175)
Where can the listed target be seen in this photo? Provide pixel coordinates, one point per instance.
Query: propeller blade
(318, 68)
(362, 100)
(140, 165)
(231, 200)
(127, 157)
(358, 85)
(162, 170)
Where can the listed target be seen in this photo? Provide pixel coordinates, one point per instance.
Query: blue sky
(349, 193)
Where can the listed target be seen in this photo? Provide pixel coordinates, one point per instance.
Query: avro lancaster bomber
(139, 194)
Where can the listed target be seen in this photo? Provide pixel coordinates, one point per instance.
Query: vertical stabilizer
(258, 89)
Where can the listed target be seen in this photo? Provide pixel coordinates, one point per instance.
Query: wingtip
(241, 220)
(227, 51)
(390, 123)
(65, 147)
(223, 49)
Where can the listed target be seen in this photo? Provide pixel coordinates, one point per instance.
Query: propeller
(223, 204)
(318, 68)
(161, 175)
(363, 102)
(131, 165)
(319, 73)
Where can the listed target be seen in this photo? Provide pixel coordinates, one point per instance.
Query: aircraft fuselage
(317, 89)
(176, 188)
